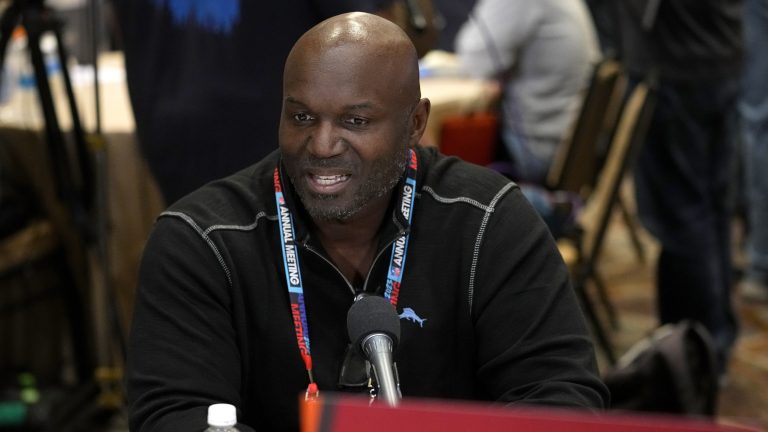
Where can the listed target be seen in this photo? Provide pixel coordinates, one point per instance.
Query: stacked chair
(581, 250)
(587, 171)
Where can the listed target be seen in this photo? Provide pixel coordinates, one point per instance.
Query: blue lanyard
(293, 269)
(400, 246)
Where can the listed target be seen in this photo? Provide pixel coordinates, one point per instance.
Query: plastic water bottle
(16, 64)
(222, 418)
(18, 102)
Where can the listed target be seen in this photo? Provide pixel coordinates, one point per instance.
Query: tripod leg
(59, 159)
(85, 163)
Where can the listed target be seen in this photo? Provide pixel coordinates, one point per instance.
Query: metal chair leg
(605, 300)
(597, 326)
(631, 223)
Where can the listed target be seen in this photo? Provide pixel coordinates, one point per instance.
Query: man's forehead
(337, 97)
(352, 66)
(352, 59)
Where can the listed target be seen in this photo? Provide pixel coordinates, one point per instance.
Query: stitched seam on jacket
(467, 200)
(211, 244)
(239, 227)
(481, 232)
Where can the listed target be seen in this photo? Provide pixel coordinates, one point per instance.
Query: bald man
(246, 283)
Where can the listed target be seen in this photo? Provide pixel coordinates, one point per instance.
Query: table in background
(454, 96)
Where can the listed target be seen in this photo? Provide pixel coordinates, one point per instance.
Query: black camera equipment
(78, 170)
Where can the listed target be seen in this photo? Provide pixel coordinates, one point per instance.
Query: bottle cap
(222, 415)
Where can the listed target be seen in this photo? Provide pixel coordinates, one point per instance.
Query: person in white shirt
(543, 53)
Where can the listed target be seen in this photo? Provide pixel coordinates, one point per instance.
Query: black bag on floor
(673, 370)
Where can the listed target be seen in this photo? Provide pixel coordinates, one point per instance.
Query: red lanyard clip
(313, 393)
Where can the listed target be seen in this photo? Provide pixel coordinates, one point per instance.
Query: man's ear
(418, 121)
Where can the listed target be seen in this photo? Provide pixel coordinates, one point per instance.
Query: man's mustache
(313, 162)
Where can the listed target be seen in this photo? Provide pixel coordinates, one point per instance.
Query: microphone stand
(378, 348)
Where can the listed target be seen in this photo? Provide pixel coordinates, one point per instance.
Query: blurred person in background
(204, 76)
(754, 115)
(693, 49)
(542, 52)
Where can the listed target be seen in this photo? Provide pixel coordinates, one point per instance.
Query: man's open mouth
(329, 180)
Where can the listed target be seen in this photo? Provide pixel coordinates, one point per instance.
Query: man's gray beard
(387, 174)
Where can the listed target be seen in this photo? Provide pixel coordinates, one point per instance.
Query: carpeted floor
(744, 397)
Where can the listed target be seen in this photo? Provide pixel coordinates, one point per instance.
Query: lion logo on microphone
(410, 315)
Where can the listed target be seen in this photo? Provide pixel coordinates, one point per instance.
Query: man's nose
(326, 141)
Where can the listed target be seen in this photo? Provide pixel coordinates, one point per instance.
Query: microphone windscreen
(372, 314)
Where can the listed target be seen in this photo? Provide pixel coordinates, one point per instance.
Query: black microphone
(374, 329)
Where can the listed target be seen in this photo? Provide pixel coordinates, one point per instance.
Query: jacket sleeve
(182, 354)
(533, 345)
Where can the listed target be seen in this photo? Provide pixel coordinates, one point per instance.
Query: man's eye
(357, 121)
(302, 117)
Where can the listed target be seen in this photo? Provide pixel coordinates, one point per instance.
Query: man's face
(344, 133)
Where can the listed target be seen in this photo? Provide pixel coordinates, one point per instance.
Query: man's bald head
(372, 44)
(351, 109)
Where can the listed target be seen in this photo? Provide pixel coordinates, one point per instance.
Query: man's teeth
(329, 180)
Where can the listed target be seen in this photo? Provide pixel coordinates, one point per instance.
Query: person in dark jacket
(246, 283)
(693, 50)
